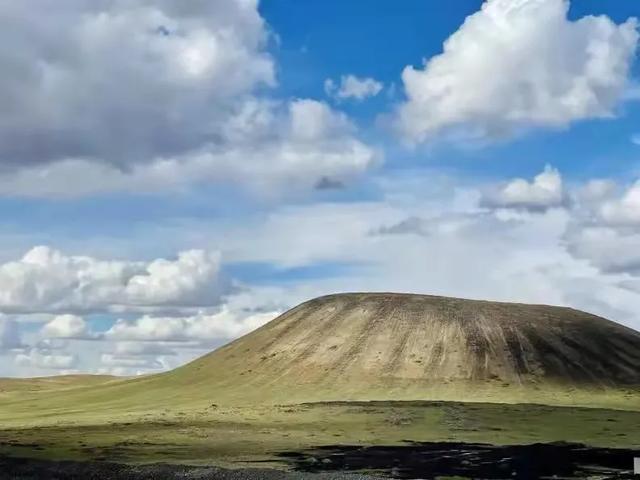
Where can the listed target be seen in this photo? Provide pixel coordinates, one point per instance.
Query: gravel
(27, 469)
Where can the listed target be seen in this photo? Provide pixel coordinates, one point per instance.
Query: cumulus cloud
(124, 82)
(147, 96)
(606, 227)
(544, 192)
(46, 280)
(352, 87)
(202, 327)
(518, 64)
(67, 327)
(266, 147)
(46, 360)
(595, 191)
(624, 211)
(609, 249)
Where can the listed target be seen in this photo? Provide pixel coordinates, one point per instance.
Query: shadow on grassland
(470, 460)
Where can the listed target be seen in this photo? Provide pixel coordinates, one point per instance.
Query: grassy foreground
(98, 418)
(229, 436)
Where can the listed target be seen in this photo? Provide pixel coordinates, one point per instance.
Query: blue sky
(504, 167)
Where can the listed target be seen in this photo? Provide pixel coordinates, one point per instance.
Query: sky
(175, 174)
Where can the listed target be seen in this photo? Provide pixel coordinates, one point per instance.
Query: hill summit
(399, 346)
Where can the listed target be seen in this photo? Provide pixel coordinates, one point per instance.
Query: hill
(382, 338)
(382, 346)
(399, 346)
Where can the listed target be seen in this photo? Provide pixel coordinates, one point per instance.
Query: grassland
(229, 436)
(150, 420)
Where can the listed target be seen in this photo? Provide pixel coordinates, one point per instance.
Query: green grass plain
(34, 422)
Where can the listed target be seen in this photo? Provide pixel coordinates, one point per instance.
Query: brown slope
(366, 345)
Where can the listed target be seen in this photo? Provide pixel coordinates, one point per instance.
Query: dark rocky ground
(344, 462)
(26, 469)
(472, 460)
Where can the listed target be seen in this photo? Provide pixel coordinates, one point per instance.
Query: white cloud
(635, 139)
(607, 248)
(267, 147)
(146, 96)
(352, 87)
(124, 82)
(518, 64)
(544, 192)
(67, 327)
(595, 191)
(606, 227)
(46, 360)
(46, 280)
(624, 211)
(203, 327)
